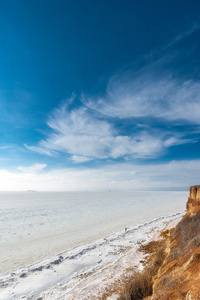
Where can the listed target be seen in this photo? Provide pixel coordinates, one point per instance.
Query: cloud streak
(149, 96)
(151, 90)
(83, 136)
(36, 168)
(151, 101)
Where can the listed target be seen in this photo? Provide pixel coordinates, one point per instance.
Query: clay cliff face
(193, 204)
(179, 276)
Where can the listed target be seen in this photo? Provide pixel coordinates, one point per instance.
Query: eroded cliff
(179, 275)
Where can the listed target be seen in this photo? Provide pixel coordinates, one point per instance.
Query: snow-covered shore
(86, 271)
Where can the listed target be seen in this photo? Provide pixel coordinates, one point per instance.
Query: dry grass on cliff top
(184, 239)
(186, 235)
(140, 285)
(179, 276)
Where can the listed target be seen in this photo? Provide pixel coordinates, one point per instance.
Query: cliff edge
(193, 204)
(179, 275)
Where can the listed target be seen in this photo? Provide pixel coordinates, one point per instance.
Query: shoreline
(85, 269)
(41, 225)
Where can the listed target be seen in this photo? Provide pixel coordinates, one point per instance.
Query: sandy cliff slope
(179, 276)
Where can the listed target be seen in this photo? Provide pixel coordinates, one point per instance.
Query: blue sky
(99, 95)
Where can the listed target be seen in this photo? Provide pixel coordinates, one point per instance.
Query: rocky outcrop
(179, 276)
(193, 203)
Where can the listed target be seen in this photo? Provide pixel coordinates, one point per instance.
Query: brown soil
(172, 266)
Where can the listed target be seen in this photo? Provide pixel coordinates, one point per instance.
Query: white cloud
(185, 34)
(124, 176)
(83, 135)
(32, 169)
(40, 150)
(78, 133)
(78, 159)
(148, 95)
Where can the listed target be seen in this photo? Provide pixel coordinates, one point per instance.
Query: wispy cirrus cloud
(149, 95)
(154, 89)
(83, 136)
(151, 100)
(183, 35)
(40, 150)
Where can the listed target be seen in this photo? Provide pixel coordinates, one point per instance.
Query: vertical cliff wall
(193, 203)
(179, 276)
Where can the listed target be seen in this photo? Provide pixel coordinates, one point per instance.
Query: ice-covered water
(35, 225)
(86, 271)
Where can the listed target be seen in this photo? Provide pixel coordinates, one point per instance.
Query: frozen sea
(36, 225)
